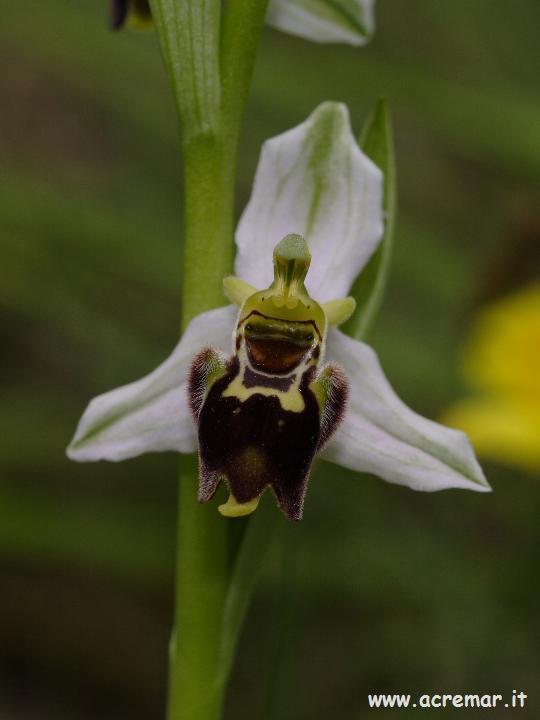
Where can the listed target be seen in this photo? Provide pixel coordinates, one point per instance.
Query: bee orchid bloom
(233, 371)
(264, 413)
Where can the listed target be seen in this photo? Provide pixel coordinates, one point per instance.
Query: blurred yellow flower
(502, 363)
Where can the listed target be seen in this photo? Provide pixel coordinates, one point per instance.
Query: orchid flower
(313, 181)
(323, 21)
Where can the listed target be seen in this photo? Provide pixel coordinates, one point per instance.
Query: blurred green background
(379, 589)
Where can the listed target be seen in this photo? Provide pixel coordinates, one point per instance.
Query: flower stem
(240, 33)
(209, 53)
(209, 179)
(195, 692)
(210, 164)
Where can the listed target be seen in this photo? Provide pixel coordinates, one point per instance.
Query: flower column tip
(291, 264)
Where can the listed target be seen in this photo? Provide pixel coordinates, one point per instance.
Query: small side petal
(237, 290)
(324, 21)
(151, 414)
(381, 435)
(314, 181)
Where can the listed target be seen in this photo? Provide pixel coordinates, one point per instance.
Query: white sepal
(151, 414)
(315, 181)
(381, 435)
(350, 21)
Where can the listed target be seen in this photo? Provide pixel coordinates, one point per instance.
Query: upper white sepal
(315, 181)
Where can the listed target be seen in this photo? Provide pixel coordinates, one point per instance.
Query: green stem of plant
(241, 29)
(209, 53)
(209, 184)
(195, 690)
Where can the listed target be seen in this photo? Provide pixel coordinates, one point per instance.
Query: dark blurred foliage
(380, 588)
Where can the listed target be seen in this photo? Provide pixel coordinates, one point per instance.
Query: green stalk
(241, 29)
(195, 690)
(210, 164)
(196, 37)
(209, 180)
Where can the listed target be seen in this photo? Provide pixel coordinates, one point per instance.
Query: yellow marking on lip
(232, 508)
(291, 399)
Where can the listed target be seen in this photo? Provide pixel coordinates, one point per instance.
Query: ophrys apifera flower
(312, 181)
(264, 413)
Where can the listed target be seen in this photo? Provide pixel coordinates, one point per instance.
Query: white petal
(152, 413)
(323, 21)
(313, 180)
(381, 435)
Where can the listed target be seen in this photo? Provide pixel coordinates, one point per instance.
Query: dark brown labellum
(254, 442)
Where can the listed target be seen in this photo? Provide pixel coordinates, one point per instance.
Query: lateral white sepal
(381, 435)
(151, 414)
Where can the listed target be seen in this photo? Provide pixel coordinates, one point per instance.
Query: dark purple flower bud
(136, 11)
